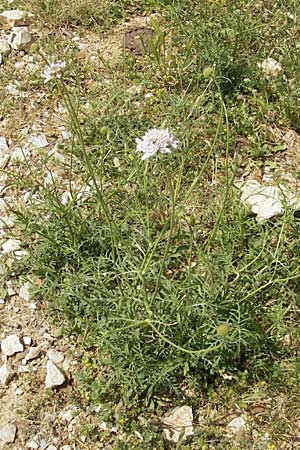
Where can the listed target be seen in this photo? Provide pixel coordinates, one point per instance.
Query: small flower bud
(104, 131)
(222, 330)
(208, 72)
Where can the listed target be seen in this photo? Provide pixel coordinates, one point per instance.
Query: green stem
(68, 102)
(182, 349)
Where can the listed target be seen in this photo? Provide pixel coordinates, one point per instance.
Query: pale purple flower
(53, 70)
(156, 140)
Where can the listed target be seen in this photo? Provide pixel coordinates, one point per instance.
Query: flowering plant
(156, 140)
(53, 70)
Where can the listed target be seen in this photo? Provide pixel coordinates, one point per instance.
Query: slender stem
(66, 96)
(182, 349)
(173, 194)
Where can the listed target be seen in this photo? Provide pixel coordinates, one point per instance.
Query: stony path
(38, 365)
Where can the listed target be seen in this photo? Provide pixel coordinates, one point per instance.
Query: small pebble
(11, 345)
(55, 356)
(6, 374)
(55, 377)
(10, 246)
(27, 340)
(33, 353)
(32, 444)
(8, 433)
(24, 291)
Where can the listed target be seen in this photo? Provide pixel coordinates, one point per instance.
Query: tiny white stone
(20, 38)
(19, 154)
(24, 291)
(103, 426)
(39, 141)
(33, 353)
(20, 65)
(65, 198)
(43, 444)
(32, 444)
(8, 433)
(19, 254)
(19, 391)
(4, 46)
(32, 306)
(3, 144)
(27, 340)
(270, 67)
(55, 356)
(69, 414)
(237, 425)
(66, 447)
(11, 345)
(13, 89)
(116, 162)
(23, 369)
(6, 222)
(55, 376)
(66, 365)
(10, 246)
(51, 447)
(50, 178)
(10, 289)
(6, 374)
(66, 134)
(179, 422)
(56, 154)
(14, 17)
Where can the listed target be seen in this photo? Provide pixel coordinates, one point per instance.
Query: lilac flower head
(53, 71)
(155, 140)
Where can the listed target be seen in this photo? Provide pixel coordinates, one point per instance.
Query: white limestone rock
(39, 141)
(66, 134)
(267, 201)
(11, 345)
(55, 356)
(14, 17)
(19, 154)
(34, 352)
(13, 89)
(55, 376)
(24, 291)
(32, 444)
(3, 146)
(178, 423)
(11, 245)
(8, 434)
(4, 46)
(27, 340)
(237, 426)
(6, 374)
(20, 38)
(69, 414)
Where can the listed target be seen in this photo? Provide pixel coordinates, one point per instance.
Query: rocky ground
(39, 409)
